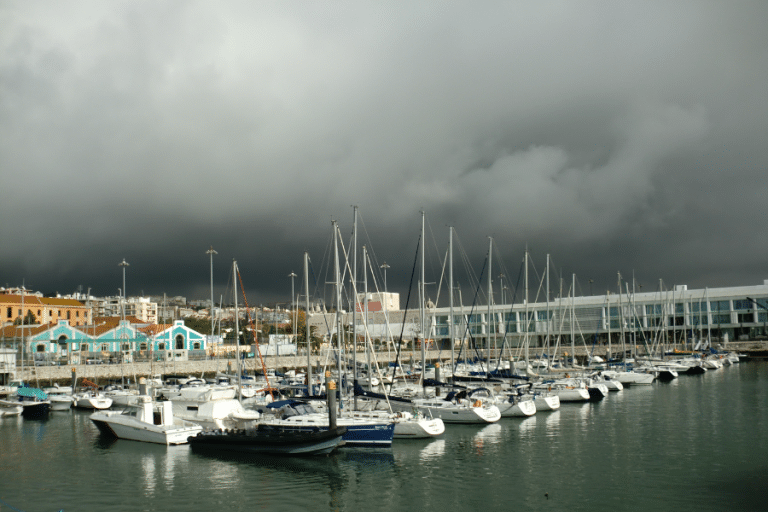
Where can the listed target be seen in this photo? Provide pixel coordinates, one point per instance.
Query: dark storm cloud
(614, 137)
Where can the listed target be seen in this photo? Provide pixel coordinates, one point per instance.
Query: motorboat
(60, 397)
(212, 407)
(148, 421)
(10, 408)
(121, 396)
(92, 400)
(34, 401)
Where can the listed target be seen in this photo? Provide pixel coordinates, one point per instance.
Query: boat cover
(32, 393)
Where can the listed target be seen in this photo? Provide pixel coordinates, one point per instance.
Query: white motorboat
(92, 400)
(148, 421)
(121, 396)
(10, 408)
(212, 407)
(61, 397)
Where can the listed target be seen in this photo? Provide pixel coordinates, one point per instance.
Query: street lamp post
(211, 252)
(385, 267)
(292, 275)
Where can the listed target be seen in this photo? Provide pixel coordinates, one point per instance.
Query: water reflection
(433, 450)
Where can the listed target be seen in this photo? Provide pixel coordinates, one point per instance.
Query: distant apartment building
(141, 308)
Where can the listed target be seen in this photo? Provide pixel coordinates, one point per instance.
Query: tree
(29, 319)
(200, 325)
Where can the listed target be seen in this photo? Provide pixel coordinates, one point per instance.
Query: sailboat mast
(450, 296)
(547, 341)
(621, 324)
(339, 323)
(306, 325)
(354, 304)
(237, 330)
(422, 302)
(365, 316)
(573, 311)
(489, 323)
(527, 321)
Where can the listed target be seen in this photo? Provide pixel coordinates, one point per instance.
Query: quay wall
(101, 373)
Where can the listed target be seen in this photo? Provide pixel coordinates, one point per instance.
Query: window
(161, 346)
(196, 345)
(59, 313)
(126, 346)
(142, 346)
(69, 315)
(77, 314)
(105, 347)
(40, 348)
(179, 342)
(742, 304)
(721, 305)
(653, 309)
(38, 312)
(84, 347)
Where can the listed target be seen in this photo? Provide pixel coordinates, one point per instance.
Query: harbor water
(696, 443)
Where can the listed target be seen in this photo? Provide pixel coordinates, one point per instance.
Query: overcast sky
(615, 136)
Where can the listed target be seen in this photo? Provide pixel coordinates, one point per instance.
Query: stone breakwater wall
(101, 373)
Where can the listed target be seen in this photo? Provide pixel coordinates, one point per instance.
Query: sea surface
(697, 443)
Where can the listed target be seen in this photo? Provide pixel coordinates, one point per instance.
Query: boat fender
(477, 404)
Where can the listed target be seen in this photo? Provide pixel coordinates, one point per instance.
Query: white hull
(522, 408)
(634, 378)
(91, 401)
(9, 408)
(61, 402)
(572, 395)
(147, 422)
(452, 413)
(407, 426)
(547, 402)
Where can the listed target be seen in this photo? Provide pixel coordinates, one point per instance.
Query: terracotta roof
(14, 331)
(40, 301)
(55, 301)
(153, 329)
(16, 299)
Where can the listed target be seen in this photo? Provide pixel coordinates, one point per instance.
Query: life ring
(477, 403)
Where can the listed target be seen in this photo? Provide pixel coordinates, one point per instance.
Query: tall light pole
(385, 267)
(211, 252)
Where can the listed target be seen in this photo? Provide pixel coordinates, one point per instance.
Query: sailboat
(268, 437)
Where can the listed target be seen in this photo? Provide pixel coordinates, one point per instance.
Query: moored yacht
(147, 421)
